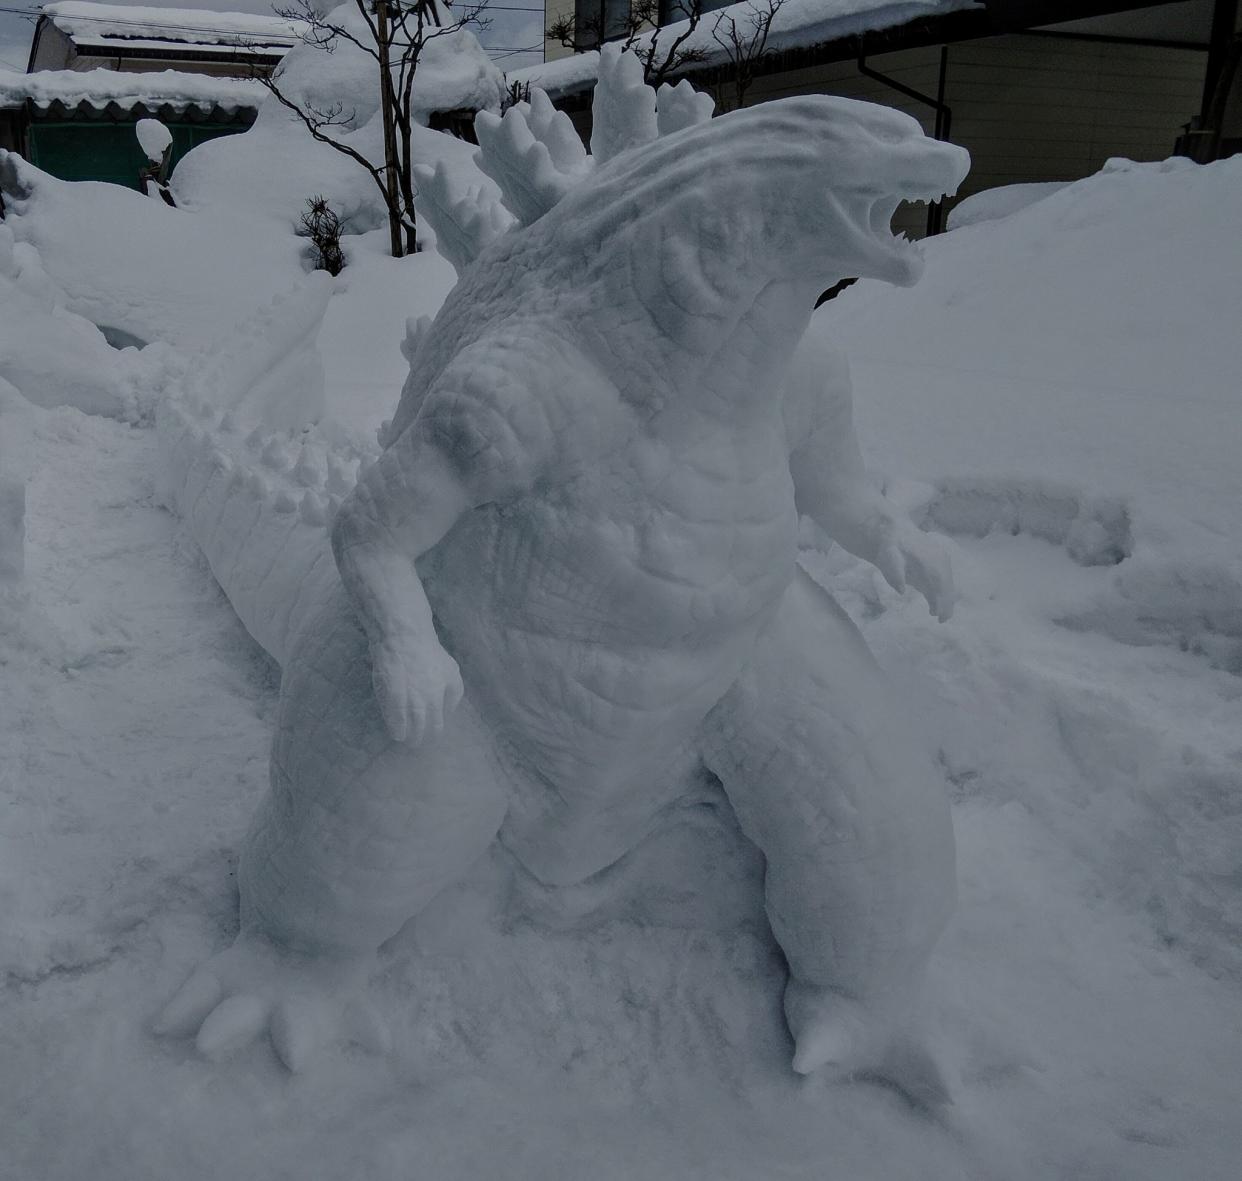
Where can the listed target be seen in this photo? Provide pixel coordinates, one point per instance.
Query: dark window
(592, 16)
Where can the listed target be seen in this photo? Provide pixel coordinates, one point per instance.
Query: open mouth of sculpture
(902, 252)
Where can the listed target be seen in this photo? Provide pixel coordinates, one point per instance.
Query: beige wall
(1029, 108)
(55, 50)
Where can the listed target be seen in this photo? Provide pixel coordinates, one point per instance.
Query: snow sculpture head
(802, 188)
(569, 583)
(717, 234)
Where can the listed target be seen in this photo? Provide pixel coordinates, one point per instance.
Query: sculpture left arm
(479, 437)
(832, 488)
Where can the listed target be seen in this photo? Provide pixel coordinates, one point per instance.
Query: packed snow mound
(276, 165)
(1067, 377)
(154, 137)
(196, 280)
(126, 262)
(57, 358)
(992, 204)
(1050, 328)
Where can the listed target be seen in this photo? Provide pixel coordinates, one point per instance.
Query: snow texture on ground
(1063, 387)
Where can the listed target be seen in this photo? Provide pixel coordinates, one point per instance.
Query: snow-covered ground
(1060, 394)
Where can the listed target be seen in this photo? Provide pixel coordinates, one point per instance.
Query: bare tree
(641, 18)
(745, 46)
(396, 32)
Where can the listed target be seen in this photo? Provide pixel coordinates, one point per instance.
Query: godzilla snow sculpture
(570, 577)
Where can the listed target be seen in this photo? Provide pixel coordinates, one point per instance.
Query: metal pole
(1224, 22)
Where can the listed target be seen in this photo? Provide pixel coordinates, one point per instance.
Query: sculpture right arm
(401, 507)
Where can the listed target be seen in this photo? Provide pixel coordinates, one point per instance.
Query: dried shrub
(323, 228)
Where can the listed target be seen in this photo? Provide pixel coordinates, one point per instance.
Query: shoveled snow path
(1094, 783)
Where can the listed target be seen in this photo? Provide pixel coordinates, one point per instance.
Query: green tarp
(90, 150)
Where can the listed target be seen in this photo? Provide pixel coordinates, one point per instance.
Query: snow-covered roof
(138, 27)
(102, 88)
(798, 25)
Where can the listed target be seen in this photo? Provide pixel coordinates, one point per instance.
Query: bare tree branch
(746, 49)
(397, 31)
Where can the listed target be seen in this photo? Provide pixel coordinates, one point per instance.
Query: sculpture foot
(839, 1037)
(302, 1001)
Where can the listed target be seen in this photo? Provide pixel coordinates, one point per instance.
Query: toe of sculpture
(838, 1038)
(301, 1002)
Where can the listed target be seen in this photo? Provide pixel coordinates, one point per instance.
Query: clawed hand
(417, 685)
(921, 559)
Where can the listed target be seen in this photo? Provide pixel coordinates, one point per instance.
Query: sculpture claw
(187, 1010)
(254, 987)
(923, 561)
(300, 1027)
(416, 689)
(235, 1022)
(838, 1036)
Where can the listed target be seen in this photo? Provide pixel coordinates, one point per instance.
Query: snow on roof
(100, 88)
(154, 28)
(798, 25)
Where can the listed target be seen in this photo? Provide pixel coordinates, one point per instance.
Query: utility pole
(390, 130)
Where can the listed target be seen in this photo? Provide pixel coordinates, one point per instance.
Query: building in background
(96, 69)
(74, 35)
(1037, 90)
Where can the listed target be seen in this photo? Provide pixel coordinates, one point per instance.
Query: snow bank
(101, 88)
(992, 204)
(1067, 377)
(1086, 340)
(54, 357)
(157, 273)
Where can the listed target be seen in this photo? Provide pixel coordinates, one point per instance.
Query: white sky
(514, 26)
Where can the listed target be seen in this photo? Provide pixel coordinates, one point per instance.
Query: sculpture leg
(851, 818)
(357, 834)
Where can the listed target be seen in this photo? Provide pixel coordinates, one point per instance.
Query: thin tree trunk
(390, 136)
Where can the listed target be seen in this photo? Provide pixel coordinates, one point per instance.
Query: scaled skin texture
(572, 575)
